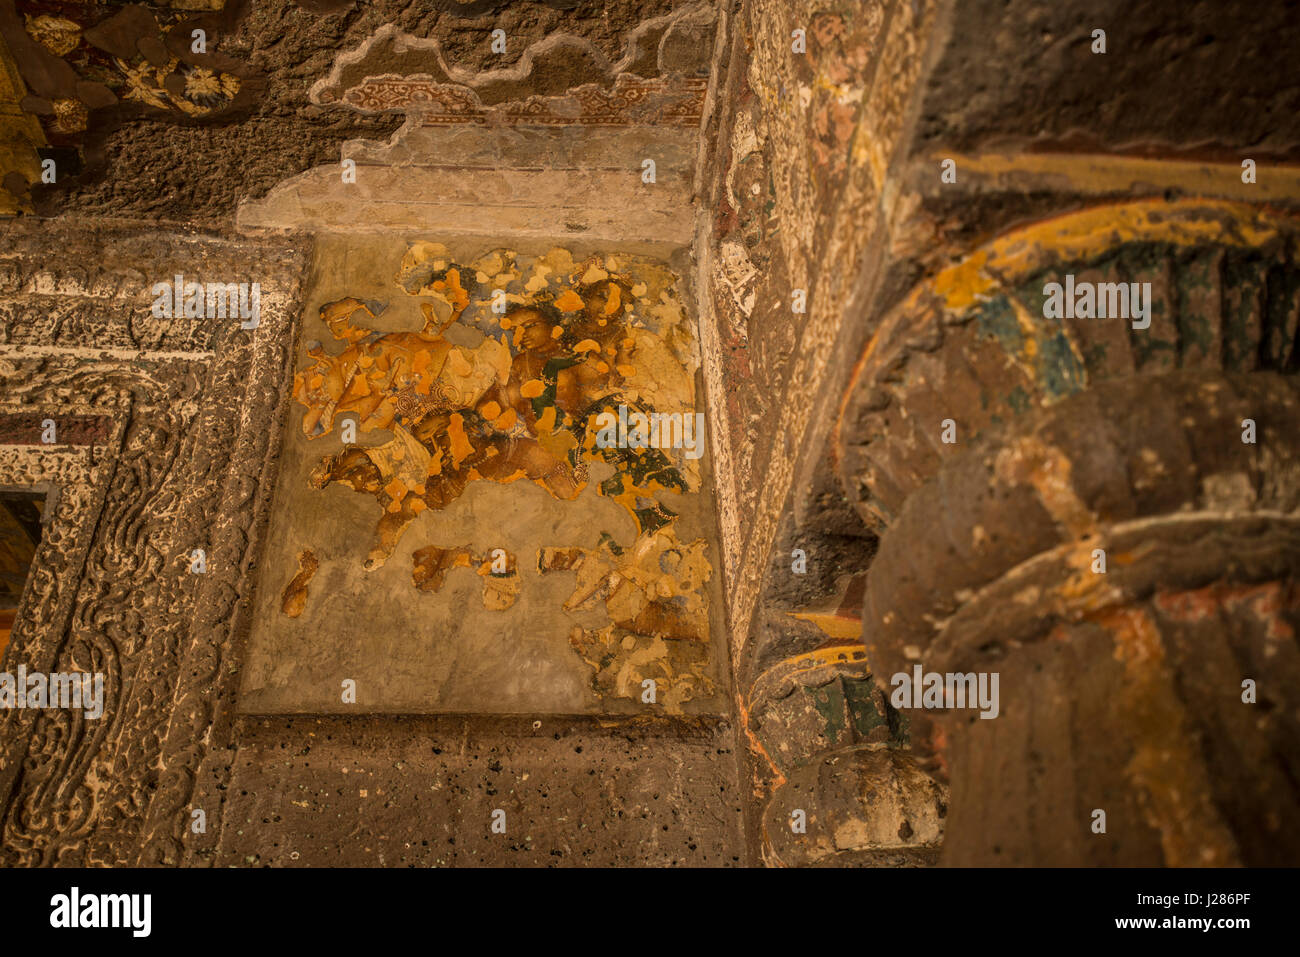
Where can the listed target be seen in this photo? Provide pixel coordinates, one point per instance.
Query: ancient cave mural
(654, 595)
(498, 569)
(71, 73)
(136, 55)
(294, 598)
(20, 535)
(518, 360)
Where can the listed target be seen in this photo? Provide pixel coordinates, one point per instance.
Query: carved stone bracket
(973, 344)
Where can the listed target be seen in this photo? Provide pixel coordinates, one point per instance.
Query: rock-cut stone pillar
(1108, 523)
